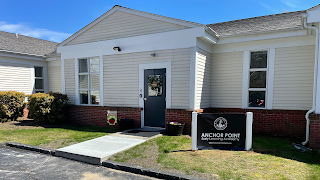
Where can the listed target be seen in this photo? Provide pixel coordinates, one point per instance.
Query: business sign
(221, 131)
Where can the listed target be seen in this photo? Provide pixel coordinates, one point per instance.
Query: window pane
(38, 84)
(38, 71)
(154, 85)
(257, 98)
(94, 64)
(83, 65)
(258, 59)
(94, 97)
(94, 80)
(39, 91)
(83, 97)
(83, 81)
(258, 79)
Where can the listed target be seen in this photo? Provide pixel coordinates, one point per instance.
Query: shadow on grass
(30, 122)
(282, 147)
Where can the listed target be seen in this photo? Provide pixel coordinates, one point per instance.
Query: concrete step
(97, 150)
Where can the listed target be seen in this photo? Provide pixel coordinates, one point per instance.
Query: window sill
(88, 104)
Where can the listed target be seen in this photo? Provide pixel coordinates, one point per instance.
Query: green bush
(48, 108)
(11, 104)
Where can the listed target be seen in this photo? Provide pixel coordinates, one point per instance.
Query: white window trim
(142, 67)
(269, 80)
(44, 77)
(76, 62)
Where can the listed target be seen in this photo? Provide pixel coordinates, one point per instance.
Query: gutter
(21, 53)
(304, 19)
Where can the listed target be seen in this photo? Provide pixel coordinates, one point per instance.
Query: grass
(271, 158)
(50, 137)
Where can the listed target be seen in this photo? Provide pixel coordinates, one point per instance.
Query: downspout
(314, 78)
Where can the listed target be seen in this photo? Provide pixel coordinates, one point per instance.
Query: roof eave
(262, 32)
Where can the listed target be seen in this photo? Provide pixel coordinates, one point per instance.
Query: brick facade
(97, 115)
(314, 138)
(291, 123)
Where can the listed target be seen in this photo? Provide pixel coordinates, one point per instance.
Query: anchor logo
(220, 123)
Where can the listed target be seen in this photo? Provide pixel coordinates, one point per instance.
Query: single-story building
(156, 69)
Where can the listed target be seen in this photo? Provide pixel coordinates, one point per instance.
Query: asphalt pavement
(22, 164)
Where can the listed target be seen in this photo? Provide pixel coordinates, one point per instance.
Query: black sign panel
(221, 131)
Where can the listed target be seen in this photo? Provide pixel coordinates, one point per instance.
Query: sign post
(222, 131)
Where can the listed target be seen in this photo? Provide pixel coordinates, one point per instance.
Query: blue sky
(58, 19)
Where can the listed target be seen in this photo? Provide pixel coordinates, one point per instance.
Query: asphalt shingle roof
(259, 24)
(25, 44)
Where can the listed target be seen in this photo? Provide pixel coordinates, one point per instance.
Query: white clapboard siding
(54, 77)
(121, 77)
(226, 79)
(69, 70)
(15, 77)
(121, 25)
(203, 79)
(293, 78)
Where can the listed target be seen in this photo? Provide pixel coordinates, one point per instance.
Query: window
(39, 79)
(258, 79)
(89, 81)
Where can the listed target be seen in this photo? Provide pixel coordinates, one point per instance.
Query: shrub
(48, 108)
(11, 104)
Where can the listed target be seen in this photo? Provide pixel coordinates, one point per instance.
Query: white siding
(120, 25)
(203, 79)
(54, 76)
(293, 78)
(121, 77)
(226, 79)
(15, 77)
(69, 70)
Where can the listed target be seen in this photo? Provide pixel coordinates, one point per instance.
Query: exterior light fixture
(153, 54)
(117, 48)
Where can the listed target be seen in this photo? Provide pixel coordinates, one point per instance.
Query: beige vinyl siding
(121, 77)
(54, 77)
(121, 25)
(203, 79)
(69, 70)
(293, 78)
(226, 79)
(15, 77)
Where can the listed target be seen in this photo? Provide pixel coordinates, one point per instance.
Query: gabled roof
(136, 12)
(16, 43)
(259, 24)
(313, 7)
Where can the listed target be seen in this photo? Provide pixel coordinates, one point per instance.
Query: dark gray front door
(154, 97)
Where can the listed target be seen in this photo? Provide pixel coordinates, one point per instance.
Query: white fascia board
(57, 58)
(313, 16)
(96, 21)
(161, 18)
(264, 44)
(160, 41)
(9, 59)
(193, 78)
(257, 37)
(211, 38)
(21, 56)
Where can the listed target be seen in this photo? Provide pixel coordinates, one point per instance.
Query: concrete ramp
(97, 150)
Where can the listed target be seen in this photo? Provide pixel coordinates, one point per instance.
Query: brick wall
(290, 123)
(181, 115)
(97, 115)
(314, 138)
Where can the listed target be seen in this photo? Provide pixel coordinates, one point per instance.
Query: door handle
(145, 99)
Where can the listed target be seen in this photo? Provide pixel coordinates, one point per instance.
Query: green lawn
(50, 137)
(271, 158)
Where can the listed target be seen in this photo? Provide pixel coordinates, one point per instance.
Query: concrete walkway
(97, 150)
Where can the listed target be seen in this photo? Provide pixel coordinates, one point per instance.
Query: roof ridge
(29, 37)
(258, 17)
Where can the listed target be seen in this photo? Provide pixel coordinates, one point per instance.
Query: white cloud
(26, 30)
(268, 7)
(290, 4)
